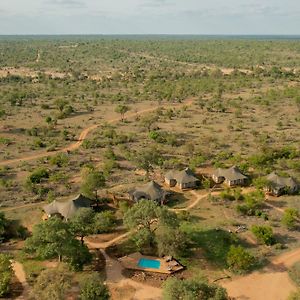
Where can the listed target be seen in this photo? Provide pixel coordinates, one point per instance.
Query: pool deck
(131, 262)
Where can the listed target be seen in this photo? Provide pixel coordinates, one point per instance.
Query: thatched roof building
(67, 208)
(231, 176)
(150, 191)
(184, 179)
(278, 185)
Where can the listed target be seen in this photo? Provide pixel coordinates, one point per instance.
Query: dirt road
(84, 135)
(271, 283)
(20, 274)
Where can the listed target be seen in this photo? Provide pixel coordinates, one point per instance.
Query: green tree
(82, 223)
(104, 221)
(264, 234)
(55, 239)
(52, 284)
(190, 289)
(239, 260)
(290, 218)
(60, 104)
(170, 241)
(148, 158)
(141, 217)
(153, 225)
(6, 273)
(122, 110)
(92, 288)
(92, 181)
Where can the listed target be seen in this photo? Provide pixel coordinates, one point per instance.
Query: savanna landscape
(104, 119)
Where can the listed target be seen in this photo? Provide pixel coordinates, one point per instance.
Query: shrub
(290, 217)
(52, 284)
(239, 260)
(252, 202)
(294, 295)
(123, 207)
(6, 272)
(175, 289)
(92, 288)
(264, 234)
(38, 175)
(59, 160)
(294, 273)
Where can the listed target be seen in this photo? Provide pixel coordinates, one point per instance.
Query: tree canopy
(92, 181)
(55, 238)
(153, 225)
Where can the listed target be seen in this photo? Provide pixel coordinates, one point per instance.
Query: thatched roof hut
(67, 208)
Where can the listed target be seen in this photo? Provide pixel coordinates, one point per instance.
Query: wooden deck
(132, 262)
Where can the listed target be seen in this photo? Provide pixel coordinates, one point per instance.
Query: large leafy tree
(55, 238)
(170, 241)
(86, 221)
(148, 158)
(141, 218)
(92, 181)
(82, 223)
(153, 225)
(6, 273)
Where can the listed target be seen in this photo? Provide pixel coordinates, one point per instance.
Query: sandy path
(20, 274)
(84, 135)
(104, 245)
(195, 202)
(271, 283)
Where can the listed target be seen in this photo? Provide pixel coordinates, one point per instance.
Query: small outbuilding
(67, 209)
(231, 176)
(184, 179)
(150, 191)
(278, 185)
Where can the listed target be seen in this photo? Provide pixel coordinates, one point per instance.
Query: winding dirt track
(271, 283)
(83, 135)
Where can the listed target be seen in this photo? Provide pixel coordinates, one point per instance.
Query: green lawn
(214, 242)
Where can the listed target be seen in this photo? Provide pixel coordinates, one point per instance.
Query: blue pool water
(149, 263)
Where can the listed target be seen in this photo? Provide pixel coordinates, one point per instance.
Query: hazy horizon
(149, 17)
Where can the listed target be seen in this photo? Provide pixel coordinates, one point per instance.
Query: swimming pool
(149, 263)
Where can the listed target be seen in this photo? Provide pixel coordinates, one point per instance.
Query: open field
(134, 109)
